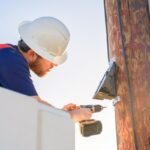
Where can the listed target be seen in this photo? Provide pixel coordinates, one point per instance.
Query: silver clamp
(116, 100)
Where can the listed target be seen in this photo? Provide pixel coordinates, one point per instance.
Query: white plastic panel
(26, 124)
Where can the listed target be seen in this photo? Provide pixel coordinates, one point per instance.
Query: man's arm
(76, 113)
(42, 101)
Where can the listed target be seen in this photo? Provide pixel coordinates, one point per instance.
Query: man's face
(41, 66)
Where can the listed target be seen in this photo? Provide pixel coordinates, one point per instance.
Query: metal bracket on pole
(116, 100)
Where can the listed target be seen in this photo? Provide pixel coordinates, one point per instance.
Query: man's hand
(70, 107)
(77, 113)
(80, 114)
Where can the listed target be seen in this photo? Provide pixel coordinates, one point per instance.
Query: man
(42, 47)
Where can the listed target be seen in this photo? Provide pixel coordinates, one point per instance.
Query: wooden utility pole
(128, 36)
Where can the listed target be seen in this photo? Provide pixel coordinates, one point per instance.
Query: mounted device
(107, 86)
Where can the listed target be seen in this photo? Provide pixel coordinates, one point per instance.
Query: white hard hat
(47, 36)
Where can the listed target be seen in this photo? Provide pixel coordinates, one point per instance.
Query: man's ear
(32, 55)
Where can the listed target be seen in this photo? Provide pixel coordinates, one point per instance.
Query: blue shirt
(14, 71)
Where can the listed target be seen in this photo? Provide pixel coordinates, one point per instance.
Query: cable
(127, 76)
(106, 32)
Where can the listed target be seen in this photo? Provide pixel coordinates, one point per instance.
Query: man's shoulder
(7, 49)
(12, 61)
(3, 46)
(10, 54)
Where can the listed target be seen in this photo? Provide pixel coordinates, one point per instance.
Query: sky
(77, 79)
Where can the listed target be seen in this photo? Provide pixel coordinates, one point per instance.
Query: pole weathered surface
(132, 52)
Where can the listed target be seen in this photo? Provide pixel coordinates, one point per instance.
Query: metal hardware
(116, 100)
